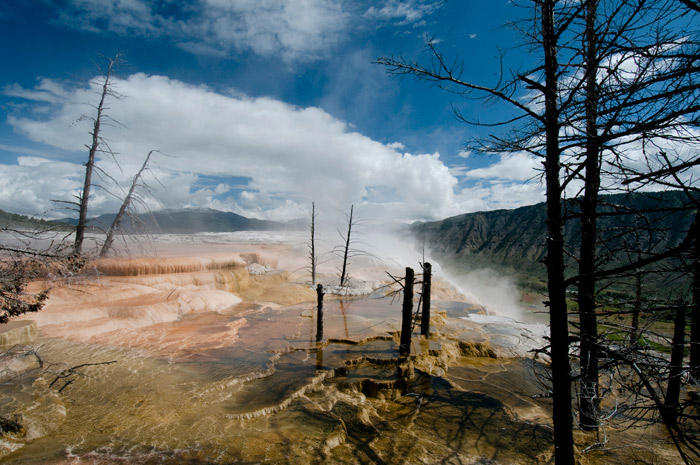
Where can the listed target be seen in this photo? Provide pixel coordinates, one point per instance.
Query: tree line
(610, 106)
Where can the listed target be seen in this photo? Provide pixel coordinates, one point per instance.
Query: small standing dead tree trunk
(109, 239)
(343, 273)
(312, 245)
(319, 313)
(637, 308)
(673, 389)
(407, 314)
(425, 315)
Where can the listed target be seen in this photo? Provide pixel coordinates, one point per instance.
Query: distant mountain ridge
(189, 221)
(514, 241)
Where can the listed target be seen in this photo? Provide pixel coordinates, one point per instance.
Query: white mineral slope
(137, 299)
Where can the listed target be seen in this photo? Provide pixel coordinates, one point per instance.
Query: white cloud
(458, 171)
(46, 91)
(290, 29)
(493, 196)
(403, 11)
(291, 155)
(21, 149)
(30, 186)
(222, 189)
(32, 161)
(515, 167)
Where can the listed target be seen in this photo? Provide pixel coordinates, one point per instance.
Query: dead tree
(346, 250)
(407, 313)
(447, 74)
(636, 87)
(425, 297)
(695, 307)
(659, 101)
(97, 144)
(312, 244)
(673, 388)
(588, 348)
(558, 315)
(639, 375)
(636, 308)
(126, 204)
(319, 313)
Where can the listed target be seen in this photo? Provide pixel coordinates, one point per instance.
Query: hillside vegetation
(15, 221)
(514, 241)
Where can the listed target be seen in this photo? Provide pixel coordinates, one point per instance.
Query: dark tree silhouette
(312, 244)
(97, 144)
(610, 77)
(348, 249)
(547, 31)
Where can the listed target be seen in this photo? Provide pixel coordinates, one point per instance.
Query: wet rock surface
(17, 333)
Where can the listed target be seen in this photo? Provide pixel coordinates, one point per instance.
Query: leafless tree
(98, 144)
(312, 245)
(549, 24)
(348, 250)
(611, 76)
(130, 197)
(632, 85)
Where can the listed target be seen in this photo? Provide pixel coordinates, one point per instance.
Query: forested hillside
(13, 220)
(514, 240)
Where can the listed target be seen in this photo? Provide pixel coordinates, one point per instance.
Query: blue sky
(259, 106)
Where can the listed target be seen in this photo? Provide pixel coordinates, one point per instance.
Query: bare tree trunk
(407, 314)
(673, 389)
(312, 246)
(109, 238)
(343, 273)
(695, 309)
(558, 317)
(89, 165)
(319, 313)
(637, 309)
(425, 315)
(589, 401)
